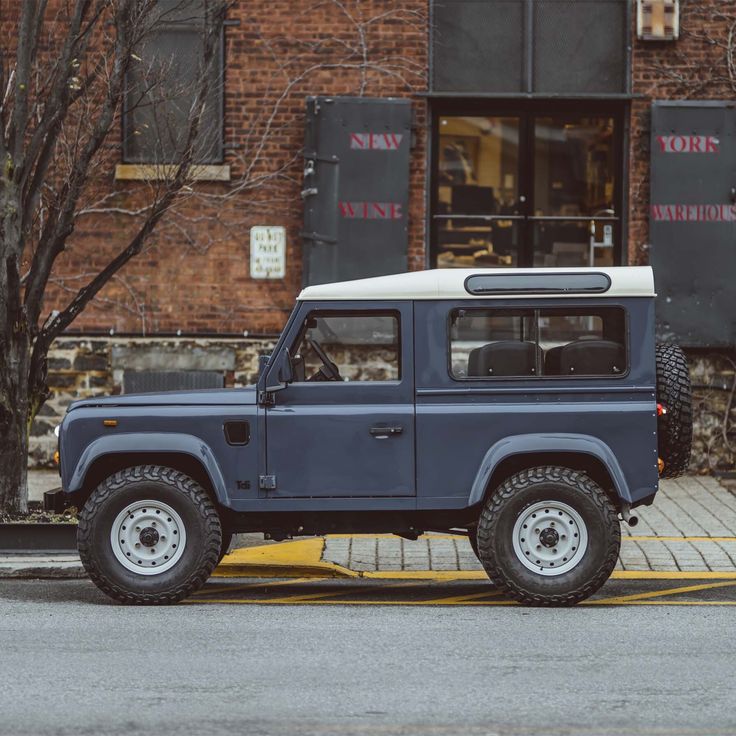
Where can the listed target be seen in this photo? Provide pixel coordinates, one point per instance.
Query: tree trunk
(15, 417)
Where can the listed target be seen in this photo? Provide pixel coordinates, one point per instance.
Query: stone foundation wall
(714, 411)
(84, 367)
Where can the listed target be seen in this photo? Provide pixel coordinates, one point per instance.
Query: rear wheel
(149, 535)
(549, 536)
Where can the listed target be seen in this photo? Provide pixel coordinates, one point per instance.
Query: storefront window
(533, 189)
(478, 191)
(573, 191)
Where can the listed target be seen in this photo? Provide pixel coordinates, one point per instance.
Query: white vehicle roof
(449, 283)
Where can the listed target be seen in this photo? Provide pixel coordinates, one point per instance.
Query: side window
(583, 342)
(359, 346)
(492, 343)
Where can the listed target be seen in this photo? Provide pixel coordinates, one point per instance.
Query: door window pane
(477, 185)
(573, 166)
(354, 347)
(574, 178)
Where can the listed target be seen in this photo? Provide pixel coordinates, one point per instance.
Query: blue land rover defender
(527, 408)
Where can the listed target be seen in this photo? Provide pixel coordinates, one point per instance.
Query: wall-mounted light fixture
(658, 20)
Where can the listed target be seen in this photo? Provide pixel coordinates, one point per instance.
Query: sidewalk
(691, 528)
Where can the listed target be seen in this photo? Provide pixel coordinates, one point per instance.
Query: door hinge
(266, 398)
(267, 482)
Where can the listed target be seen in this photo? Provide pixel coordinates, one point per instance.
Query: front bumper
(56, 501)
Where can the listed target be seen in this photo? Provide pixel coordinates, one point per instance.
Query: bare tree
(62, 87)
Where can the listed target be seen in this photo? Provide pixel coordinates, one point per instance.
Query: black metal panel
(478, 45)
(146, 381)
(530, 47)
(356, 187)
(692, 221)
(579, 46)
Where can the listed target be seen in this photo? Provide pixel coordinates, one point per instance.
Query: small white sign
(267, 252)
(608, 234)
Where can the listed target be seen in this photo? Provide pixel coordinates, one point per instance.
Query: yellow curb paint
(308, 597)
(284, 601)
(678, 539)
(426, 575)
(672, 575)
(660, 593)
(232, 588)
(462, 598)
(302, 558)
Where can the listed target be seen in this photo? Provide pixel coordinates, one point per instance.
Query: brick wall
(693, 67)
(194, 274)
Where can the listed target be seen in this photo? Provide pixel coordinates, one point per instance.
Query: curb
(301, 559)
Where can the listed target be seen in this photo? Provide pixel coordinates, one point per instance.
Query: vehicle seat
(504, 358)
(552, 365)
(591, 358)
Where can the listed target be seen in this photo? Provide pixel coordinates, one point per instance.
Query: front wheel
(549, 536)
(149, 535)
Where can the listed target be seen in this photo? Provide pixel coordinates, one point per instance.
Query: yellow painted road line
(659, 593)
(307, 597)
(676, 603)
(463, 598)
(672, 575)
(283, 601)
(653, 538)
(245, 586)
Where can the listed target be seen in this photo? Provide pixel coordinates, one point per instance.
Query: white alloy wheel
(148, 537)
(550, 538)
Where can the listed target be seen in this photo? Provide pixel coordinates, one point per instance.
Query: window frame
(540, 376)
(352, 313)
(219, 155)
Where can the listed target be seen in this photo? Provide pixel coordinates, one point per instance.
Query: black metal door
(356, 188)
(692, 216)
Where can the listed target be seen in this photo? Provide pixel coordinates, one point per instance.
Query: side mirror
(282, 370)
(286, 370)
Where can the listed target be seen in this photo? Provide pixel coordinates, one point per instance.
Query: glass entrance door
(531, 189)
(478, 209)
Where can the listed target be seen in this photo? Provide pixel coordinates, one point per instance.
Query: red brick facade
(695, 67)
(194, 275)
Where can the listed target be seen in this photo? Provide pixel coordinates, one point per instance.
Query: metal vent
(146, 381)
(478, 45)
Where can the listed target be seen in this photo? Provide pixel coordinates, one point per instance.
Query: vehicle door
(343, 426)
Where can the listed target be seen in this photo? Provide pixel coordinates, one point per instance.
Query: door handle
(383, 433)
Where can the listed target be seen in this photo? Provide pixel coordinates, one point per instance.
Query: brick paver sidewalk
(690, 526)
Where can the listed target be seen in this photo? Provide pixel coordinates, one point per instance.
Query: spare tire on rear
(675, 422)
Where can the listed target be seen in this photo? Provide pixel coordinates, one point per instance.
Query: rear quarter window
(534, 343)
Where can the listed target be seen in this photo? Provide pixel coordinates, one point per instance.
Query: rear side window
(495, 343)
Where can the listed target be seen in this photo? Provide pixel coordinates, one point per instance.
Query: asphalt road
(73, 663)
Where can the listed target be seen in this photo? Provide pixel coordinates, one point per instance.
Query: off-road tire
(549, 483)
(675, 427)
(180, 492)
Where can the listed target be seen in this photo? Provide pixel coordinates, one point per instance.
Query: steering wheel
(329, 369)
